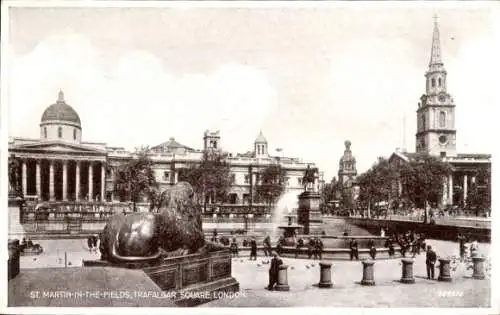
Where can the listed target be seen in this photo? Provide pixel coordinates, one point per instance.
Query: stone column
(407, 272)
(103, 182)
(282, 284)
(368, 278)
(25, 177)
(38, 180)
(91, 181)
(465, 188)
(65, 180)
(325, 276)
(444, 198)
(478, 272)
(77, 181)
(450, 189)
(176, 177)
(444, 270)
(51, 180)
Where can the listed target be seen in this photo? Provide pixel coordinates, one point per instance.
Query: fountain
(289, 231)
(286, 204)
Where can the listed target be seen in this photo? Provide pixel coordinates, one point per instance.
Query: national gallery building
(59, 167)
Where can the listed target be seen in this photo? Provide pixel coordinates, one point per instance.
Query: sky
(308, 77)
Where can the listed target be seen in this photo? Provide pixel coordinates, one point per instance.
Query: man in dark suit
(253, 249)
(273, 270)
(430, 261)
(354, 249)
(267, 246)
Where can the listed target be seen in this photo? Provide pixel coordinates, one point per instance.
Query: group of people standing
(92, 243)
(314, 247)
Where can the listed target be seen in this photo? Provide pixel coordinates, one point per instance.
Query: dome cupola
(60, 122)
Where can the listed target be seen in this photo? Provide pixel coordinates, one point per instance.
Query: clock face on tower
(442, 97)
(443, 139)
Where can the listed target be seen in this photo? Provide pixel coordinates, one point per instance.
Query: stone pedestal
(16, 230)
(309, 215)
(325, 276)
(13, 262)
(407, 272)
(368, 278)
(444, 270)
(478, 268)
(282, 284)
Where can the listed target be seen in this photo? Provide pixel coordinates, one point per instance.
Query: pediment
(59, 147)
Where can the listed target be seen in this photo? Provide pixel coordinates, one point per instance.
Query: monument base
(325, 284)
(16, 230)
(309, 214)
(196, 278)
(281, 287)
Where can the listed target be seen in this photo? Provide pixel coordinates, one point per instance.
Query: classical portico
(63, 178)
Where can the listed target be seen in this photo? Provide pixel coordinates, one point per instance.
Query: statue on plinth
(14, 182)
(309, 179)
(175, 230)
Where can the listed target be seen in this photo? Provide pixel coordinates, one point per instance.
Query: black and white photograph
(225, 155)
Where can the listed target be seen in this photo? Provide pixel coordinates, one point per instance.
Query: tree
(375, 185)
(328, 193)
(423, 180)
(272, 183)
(479, 193)
(135, 178)
(211, 177)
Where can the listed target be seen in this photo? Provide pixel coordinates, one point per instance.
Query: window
(233, 178)
(45, 132)
(247, 179)
(165, 175)
(442, 119)
(423, 122)
(433, 82)
(74, 134)
(439, 82)
(59, 132)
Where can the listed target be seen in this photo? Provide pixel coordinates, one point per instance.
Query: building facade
(60, 167)
(436, 134)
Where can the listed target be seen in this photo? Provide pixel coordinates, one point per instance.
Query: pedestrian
(391, 249)
(253, 249)
(373, 252)
(214, 236)
(234, 248)
(89, 243)
(300, 244)
(267, 246)
(430, 261)
(462, 248)
(276, 262)
(354, 249)
(310, 248)
(94, 242)
(474, 249)
(318, 247)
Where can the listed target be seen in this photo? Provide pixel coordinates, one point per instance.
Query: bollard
(282, 284)
(444, 270)
(368, 272)
(407, 273)
(478, 272)
(325, 276)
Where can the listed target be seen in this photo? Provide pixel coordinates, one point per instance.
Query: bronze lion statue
(141, 237)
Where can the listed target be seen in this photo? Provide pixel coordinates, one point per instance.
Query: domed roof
(60, 111)
(261, 138)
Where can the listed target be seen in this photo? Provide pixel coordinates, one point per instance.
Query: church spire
(435, 63)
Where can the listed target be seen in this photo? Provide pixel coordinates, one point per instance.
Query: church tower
(436, 134)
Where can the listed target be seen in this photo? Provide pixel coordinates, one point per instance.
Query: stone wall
(432, 231)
